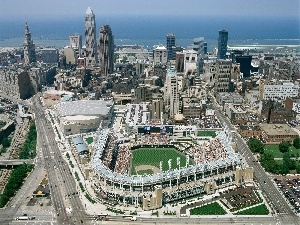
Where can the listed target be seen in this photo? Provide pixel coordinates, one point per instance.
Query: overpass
(15, 162)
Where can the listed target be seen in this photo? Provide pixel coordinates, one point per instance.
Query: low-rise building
(236, 113)
(227, 97)
(276, 133)
(250, 131)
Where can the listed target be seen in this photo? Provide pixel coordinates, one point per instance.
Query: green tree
(298, 168)
(284, 146)
(268, 162)
(296, 142)
(283, 169)
(291, 164)
(255, 145)
(6, 142)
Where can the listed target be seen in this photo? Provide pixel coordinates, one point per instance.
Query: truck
(25, 218)
(22, 218)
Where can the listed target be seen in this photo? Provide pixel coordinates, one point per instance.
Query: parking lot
(240, 197)
(290, 188)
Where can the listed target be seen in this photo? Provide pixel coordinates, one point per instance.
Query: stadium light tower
(170, 164)
(187, 161)
(178, 162)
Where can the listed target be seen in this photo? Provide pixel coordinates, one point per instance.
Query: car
(133, 218)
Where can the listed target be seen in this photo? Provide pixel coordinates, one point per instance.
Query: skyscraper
(171, 97)
(29, 47)
(170, 44)
(90, 38)
(106, 50)
(222, 44)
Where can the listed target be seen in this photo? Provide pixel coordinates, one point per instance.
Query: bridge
(15, 162)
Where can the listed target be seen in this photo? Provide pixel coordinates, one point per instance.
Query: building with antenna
(29, 47)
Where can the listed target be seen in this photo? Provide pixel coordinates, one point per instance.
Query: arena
(168, 170)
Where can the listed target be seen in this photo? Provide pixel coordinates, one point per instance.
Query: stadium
(153, 167)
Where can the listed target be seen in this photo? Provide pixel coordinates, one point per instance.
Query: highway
(62, 183)
(283, 211)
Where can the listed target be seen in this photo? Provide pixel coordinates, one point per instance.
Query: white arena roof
(84, 107)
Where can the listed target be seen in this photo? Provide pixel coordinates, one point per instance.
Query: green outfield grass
(152, 156)
(206, 133)
(210, 209)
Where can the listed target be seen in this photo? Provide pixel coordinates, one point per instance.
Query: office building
(106, 50)
(76, 44)
(223, 75)
(156, 109)
(29, 47)
(199, 45)
(170, 44)
(277, 90)
(238, 56)
(172, 92)
(190, 63)
(90, 38)
(160, 55)
(49, 55)
(222, 44)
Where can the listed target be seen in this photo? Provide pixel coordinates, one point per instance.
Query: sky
(27, 9)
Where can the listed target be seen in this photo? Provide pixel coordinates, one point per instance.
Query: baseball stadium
(155, 168)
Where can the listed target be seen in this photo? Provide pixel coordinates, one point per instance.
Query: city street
(283, 211)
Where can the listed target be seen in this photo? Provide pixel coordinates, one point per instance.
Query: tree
(6, 142)
(255, 145)
(284, 146)
(291, 164)
(298, 168)
(296, 142)
(283, 168)
(268, 163)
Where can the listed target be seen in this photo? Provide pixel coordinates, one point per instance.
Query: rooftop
(277, 129)
(89, 11)
(84, 107)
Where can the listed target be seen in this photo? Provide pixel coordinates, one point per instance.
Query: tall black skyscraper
(106, 50)
(222, 44)
(170, 44)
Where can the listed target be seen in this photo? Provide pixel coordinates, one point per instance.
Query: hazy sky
(26, 9)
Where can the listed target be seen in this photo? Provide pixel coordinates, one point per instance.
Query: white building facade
(160, 55)
(279, 91)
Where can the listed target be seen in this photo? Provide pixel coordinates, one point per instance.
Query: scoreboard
(155, 130)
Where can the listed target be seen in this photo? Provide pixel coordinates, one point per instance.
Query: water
(149, 31)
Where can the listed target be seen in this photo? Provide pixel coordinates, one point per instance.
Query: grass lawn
(89, 140)
(206, 133)
(210, 209)
(256, 210)
(153, 156)
(274, 150)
